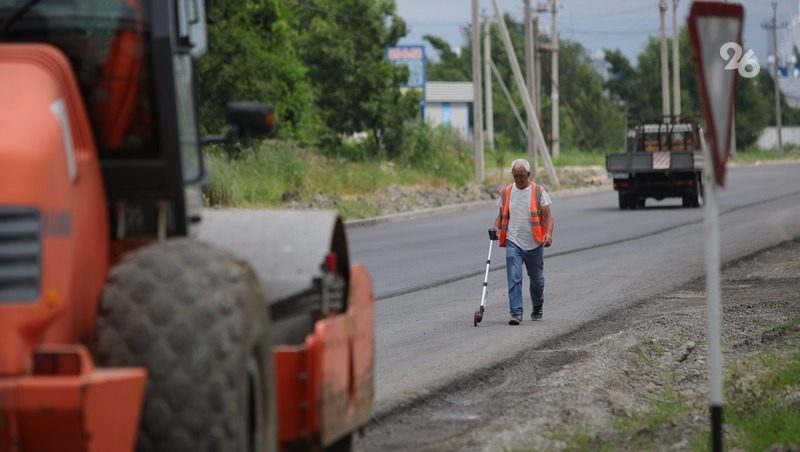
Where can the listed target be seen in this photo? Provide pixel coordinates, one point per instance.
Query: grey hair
(522, 162)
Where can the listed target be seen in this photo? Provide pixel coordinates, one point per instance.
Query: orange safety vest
(537, 222)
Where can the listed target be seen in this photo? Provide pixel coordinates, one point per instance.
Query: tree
(589, 117)
(640, 88)
(343, 45)
(449, 67)
(252, 57)
(754, 108)
(621, 78)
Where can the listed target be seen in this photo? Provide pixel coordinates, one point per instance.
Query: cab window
(105, 41)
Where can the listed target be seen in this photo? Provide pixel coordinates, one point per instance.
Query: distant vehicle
(661, 160)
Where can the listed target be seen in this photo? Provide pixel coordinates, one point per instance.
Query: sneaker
(537, 313)
(515, 320)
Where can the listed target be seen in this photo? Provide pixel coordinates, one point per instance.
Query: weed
(764, 395)
(646, 349)
(578, 439)
(767, 425)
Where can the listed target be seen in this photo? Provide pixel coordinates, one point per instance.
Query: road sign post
(713, 27)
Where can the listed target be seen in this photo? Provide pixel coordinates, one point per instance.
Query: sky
(596, 24)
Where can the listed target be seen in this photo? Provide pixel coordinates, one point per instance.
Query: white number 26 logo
(746, 65)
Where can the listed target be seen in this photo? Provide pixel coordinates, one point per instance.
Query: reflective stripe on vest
(537, 223)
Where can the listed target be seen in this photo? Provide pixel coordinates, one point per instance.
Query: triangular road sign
(714, 28)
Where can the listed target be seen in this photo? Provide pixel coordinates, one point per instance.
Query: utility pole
(487, 81)
(529, 79)
(773, 25)
(665, 110)
(477, 103)
(510, 100)
(676, 75)
(554, 145)
(526, 98)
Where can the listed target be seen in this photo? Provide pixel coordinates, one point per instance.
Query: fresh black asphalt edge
(472, 274)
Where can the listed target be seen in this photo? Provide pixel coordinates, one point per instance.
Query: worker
(525, 223)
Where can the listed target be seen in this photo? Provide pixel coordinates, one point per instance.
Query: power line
(613, 15)
(774, 26)
(438, 24)
(611, 32)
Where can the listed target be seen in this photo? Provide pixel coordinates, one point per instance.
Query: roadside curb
(423, 213)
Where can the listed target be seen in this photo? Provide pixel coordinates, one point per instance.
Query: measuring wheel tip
(478, 318)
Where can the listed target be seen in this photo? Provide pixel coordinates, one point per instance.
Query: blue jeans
(534, 263)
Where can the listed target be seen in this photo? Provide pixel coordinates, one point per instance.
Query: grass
(752, 155)
(280, 173)
(767, 425)
(647, 350)
(277, 173)
(767, 417)
(761, 407)
(578, 439)
(665, 405)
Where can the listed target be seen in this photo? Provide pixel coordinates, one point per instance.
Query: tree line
(593, 111)
(322, 65)
(640, 88)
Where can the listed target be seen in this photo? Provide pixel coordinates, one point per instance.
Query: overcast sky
(596, 24)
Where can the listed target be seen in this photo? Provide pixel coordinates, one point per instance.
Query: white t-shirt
(519, 222)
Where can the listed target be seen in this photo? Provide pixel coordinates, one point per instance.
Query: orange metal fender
(88, 409)
(326, 387)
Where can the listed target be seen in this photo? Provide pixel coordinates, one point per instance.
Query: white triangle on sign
(714, 32)
(717, 25)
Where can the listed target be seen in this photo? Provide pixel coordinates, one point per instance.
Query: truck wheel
(194, 316)
(623, 201)
(691, 200)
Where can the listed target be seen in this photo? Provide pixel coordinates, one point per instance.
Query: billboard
(413, 57)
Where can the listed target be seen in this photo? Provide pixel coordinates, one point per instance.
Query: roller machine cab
(119, 328)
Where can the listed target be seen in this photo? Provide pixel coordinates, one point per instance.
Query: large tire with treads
(194, 316)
